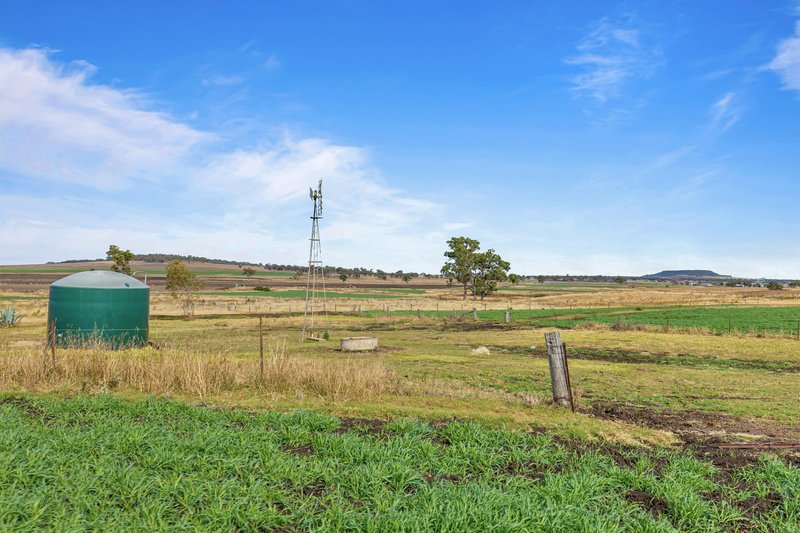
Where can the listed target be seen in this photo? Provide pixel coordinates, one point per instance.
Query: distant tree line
(122, 259)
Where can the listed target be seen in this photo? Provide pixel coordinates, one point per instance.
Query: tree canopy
(121, 259)
(183, 282)
(477, 272)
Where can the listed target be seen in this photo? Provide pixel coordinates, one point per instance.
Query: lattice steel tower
(316, 304)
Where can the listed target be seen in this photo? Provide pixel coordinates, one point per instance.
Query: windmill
(316, 303)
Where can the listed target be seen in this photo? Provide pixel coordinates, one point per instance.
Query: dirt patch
(753, 508)
(317, 489)
(696, 427)
(529, 469)
(364, 426)
(302, 451)
(704, 433)
(654, 504)
(471, 325)
(23, 404)
(432, 478)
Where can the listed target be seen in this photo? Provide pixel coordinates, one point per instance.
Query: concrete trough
(359, 344)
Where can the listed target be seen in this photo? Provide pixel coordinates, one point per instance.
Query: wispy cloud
(725, 112)
(611, 56)
(181, 188)
(56, 123)
(786, 62)
(272, 62)
(224, 81)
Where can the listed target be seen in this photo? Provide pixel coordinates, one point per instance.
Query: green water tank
(99, 304)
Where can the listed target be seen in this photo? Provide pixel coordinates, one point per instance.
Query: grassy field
(157, 465)
(457, 437)
(718, 320)
(728, 319)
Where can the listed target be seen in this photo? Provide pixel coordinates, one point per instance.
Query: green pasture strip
(299, 294)
(158, 465)
(716, 319)
(721, 319)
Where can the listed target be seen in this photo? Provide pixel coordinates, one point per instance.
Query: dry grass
(196, 373)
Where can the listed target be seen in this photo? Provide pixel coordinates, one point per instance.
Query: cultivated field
(429, 432)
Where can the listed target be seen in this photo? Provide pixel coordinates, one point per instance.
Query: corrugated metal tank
(99, 304)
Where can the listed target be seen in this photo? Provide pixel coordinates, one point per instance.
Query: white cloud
(55, 124)
(725, 112)
(58, 127)
(611, 56)
(786, 62)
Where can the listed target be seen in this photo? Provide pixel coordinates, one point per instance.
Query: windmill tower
(315, 318)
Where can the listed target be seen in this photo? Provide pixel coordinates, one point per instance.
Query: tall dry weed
(196, 372)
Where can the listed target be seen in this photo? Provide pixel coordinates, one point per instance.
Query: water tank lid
(99, 279)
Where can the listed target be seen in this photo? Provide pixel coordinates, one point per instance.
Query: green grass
(4, 297)
(300, 294)
(723, 319)
(100, 463)
(717, 319)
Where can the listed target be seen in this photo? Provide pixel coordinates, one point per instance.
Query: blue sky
(584, 137)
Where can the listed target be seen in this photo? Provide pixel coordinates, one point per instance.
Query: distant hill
(686, 274)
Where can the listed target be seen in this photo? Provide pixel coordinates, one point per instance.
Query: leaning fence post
(559, 371)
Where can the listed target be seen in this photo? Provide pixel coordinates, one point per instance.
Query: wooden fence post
(559, 371)
(53, 342)
(261, 346)
(474, 314)
(507, 317)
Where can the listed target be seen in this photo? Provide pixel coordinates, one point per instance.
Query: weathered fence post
(559, 371)
(507, 317)
(53, 343)
(261, 346)
(474, 314)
